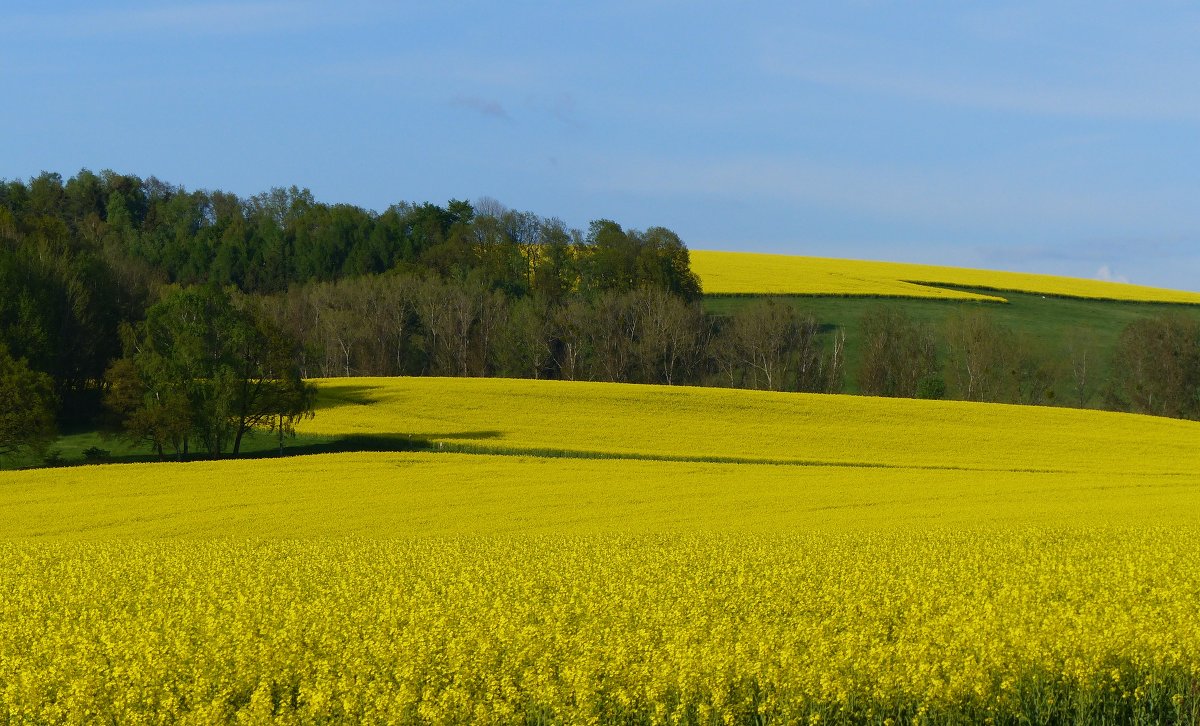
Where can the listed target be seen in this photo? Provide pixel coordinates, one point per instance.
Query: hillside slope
(545, 457)
(749, 273)
(577, 418)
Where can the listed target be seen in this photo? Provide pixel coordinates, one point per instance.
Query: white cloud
(1105, 273)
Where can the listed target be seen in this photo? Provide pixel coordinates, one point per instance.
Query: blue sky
(1046, 137)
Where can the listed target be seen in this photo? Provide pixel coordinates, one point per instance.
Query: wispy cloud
(481, 106)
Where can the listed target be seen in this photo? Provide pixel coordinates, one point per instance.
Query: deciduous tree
(898, 354)
(27, 404)
(1156, 367)
(206, 368)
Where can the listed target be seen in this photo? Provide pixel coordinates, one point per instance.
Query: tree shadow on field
(335, 396)
(385, 442)
(264, 445)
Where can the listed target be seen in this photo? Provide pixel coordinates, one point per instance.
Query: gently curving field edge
(677, 422)
(750, 273)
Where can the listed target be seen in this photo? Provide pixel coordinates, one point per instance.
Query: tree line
(81, 256)
(97, 271)
(185, 319)
(399, 324)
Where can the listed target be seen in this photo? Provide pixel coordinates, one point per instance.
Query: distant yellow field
(723, 273)
(666, 421)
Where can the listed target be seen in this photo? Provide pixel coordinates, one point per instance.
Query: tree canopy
(202, 371)
(83, 257)
(26, 406)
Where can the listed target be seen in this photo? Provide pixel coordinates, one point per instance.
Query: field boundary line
(546, 453)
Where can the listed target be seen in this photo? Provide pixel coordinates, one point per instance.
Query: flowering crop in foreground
(1034, 624)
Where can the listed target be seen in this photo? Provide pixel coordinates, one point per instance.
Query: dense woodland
(185, 318)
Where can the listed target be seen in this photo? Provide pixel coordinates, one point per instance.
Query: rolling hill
(522, 551)
(750, 273)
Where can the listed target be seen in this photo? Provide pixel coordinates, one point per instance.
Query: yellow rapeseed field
(724, 273)
(1053, 625)
(960, 563)
(687, 422)
(386, 495)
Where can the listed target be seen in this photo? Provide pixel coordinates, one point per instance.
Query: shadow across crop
(388, 442)
(72, 450)
(347, 395)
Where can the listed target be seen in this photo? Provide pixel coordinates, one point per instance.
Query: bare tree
(835, 369)
(1081, 356)
(336, 325)
(447, 315)
(293, 312)
(768, 344)
(669, 333)
(571, 324)
(434, 317)
(980, 365)
(810, 362)
(611, 336)
(489, 207)
(525, 343)
(493, 311)
(1034, 373)
(460, 321)
(897, 354)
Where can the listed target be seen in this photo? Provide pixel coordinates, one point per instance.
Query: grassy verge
(1048, 322)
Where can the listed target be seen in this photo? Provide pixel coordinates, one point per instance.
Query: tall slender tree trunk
(237, 440)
